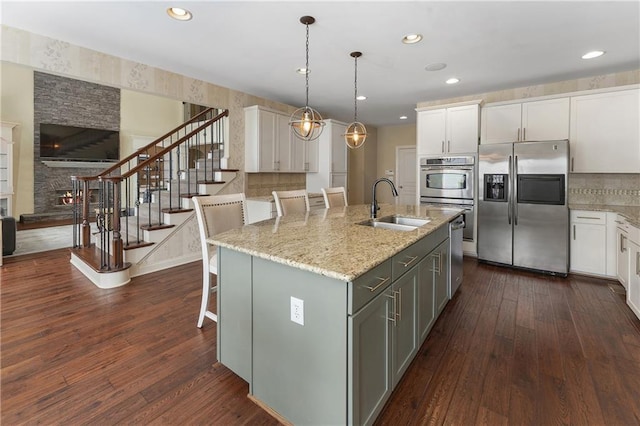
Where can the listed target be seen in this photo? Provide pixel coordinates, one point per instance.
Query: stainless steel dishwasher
(455, 240)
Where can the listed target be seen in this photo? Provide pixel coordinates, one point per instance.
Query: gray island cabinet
(322, 315)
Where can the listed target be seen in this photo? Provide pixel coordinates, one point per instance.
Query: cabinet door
(311, 156)
(404, 335)
(610, 250)
(622, 258)
(338, 179)
(588, 245)
(338, 148)
(284, 144)
(605, 132)
(545, 120)
(370, 355)
(431, 129)
(426, 295)
(501, 123)
(462, 129)
(633, 289)
(266, 144)
(440, 257)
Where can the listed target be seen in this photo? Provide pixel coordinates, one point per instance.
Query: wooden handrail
(163, 151)
(152, 144)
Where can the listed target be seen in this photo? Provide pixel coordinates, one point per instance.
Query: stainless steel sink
(395, 222)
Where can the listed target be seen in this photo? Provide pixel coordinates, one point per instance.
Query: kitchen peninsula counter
(321, 315)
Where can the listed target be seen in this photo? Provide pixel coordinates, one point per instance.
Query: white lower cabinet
(622, 251)
(588, 242)
(633, 287)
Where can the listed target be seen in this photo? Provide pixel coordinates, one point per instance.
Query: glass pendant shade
(306, 122)
(356, 135)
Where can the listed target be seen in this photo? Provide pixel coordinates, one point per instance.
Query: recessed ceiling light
(403, 117)
(436, 66)
(593, 54)
(452, 80)
(303, 71)
(179, 13)
(361, 97)
(411, 38)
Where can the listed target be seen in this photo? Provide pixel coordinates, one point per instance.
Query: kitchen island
(322, 315)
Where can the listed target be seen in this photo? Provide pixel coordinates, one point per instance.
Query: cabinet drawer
(316, 203)
(410, 256)
(366, 287)
(585, 216)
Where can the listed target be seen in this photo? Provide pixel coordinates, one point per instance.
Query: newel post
(85, 227)
(117, 246)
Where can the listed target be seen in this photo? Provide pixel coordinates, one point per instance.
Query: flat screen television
(58, 142)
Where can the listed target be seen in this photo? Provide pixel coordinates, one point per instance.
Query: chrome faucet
(374, 203)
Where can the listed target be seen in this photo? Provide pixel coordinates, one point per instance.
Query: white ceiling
(256, 46)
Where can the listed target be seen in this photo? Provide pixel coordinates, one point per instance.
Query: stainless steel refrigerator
(523, 216)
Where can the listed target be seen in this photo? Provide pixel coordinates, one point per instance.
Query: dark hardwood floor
(512, 347)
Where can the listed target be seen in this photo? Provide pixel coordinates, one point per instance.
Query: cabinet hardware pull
(442, 146)
(399, 310)
(393, 314)
(574, 232)
(619, 223)
(571, 163)
(587, 217)
(382, 281)
(518, 138)
(622, 247)
(438, 256)
(524, 133)
(638, 263)
(405, 264)
(448, 146)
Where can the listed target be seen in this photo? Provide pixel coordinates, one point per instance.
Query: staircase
(145, 220)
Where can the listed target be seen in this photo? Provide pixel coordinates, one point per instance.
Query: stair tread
(156, 226)
(132, 246)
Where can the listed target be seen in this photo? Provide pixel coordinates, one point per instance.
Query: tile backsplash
(605, 188)
(261, 184)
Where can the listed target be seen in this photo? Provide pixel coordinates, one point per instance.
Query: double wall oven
(449, 182)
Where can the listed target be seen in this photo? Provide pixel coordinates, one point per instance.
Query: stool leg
(206, 291)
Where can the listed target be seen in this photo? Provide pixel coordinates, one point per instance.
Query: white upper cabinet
(270, 146)
(330, 158)
(444, 131)
(605, 136)
(526, 121)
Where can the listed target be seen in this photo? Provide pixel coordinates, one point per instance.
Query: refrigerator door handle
(509, 194)
(515, 192)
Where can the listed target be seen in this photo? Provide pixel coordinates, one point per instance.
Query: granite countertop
(329, 241)
(632, 213)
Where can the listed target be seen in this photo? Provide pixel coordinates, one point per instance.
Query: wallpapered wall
(57, 57)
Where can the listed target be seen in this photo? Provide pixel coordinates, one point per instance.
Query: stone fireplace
(60, 100)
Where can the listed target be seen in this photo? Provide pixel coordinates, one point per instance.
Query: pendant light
(306, 122)
(356, 132)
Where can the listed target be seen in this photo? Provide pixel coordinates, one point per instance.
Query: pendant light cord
(306, 103)
(355, 96)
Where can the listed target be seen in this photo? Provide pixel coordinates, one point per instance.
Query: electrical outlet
(297, 310)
